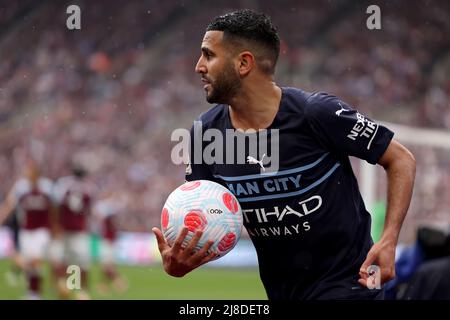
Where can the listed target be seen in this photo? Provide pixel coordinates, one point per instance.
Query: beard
(224, 87)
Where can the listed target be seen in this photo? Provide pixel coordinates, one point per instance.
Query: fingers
(369, 275)
(363, 273)
(193, 243)
(363, 270)
(200, 254)
(179, 241)
(375, 276)
(160, 239)
(186, 256)
(362, 282)
(203, 251)
(208, 258)
(364, 266)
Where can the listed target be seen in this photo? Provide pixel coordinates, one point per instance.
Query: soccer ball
(207, 206)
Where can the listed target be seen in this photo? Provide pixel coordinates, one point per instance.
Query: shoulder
(21, 187)
(64, 181)
(45, 184)
(318, 97)
(294, 100)
(62, 185)
(210, 117)
(322, 103)
(309, 104)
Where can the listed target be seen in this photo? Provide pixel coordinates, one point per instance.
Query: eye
(207, 54)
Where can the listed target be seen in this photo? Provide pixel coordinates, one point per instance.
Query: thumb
(369, 261)
(162, 244)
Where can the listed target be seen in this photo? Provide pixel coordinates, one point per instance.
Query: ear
(245, 63)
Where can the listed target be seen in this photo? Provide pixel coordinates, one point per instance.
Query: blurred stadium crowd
(109, 95)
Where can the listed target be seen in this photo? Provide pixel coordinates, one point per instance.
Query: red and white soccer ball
(207, 206)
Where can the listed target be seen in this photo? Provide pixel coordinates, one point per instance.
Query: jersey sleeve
(46, 186)
(343, 129)
(196, 168)
(19, 188)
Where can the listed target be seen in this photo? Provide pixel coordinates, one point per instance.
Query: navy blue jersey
(307, 220)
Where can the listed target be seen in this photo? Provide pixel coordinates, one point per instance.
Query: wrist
(389, 239)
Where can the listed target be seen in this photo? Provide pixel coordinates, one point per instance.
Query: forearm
(6, 208)
(400, 180)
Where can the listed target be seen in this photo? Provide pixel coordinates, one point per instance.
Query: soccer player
(307, 219)
(55, 257)
(31, 197)
(74, 196)
(105, 212)
(17, 266)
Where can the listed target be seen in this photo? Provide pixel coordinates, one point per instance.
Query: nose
(200, 67)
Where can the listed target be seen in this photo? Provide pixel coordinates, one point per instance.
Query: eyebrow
(207, 51)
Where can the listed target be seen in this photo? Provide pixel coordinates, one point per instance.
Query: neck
(255, 107)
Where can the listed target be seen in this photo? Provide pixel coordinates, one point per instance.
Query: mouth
(206, 83)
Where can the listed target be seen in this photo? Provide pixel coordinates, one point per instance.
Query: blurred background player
(55, 257)
(31, 196)
(13, 275)
(74, 196)
(105, 213)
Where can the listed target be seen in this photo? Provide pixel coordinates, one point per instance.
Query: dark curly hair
(250, 30)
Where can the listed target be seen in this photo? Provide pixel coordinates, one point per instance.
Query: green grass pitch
(152, 283)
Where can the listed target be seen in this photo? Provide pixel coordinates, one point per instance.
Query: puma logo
(338, 113)
(252, 160)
